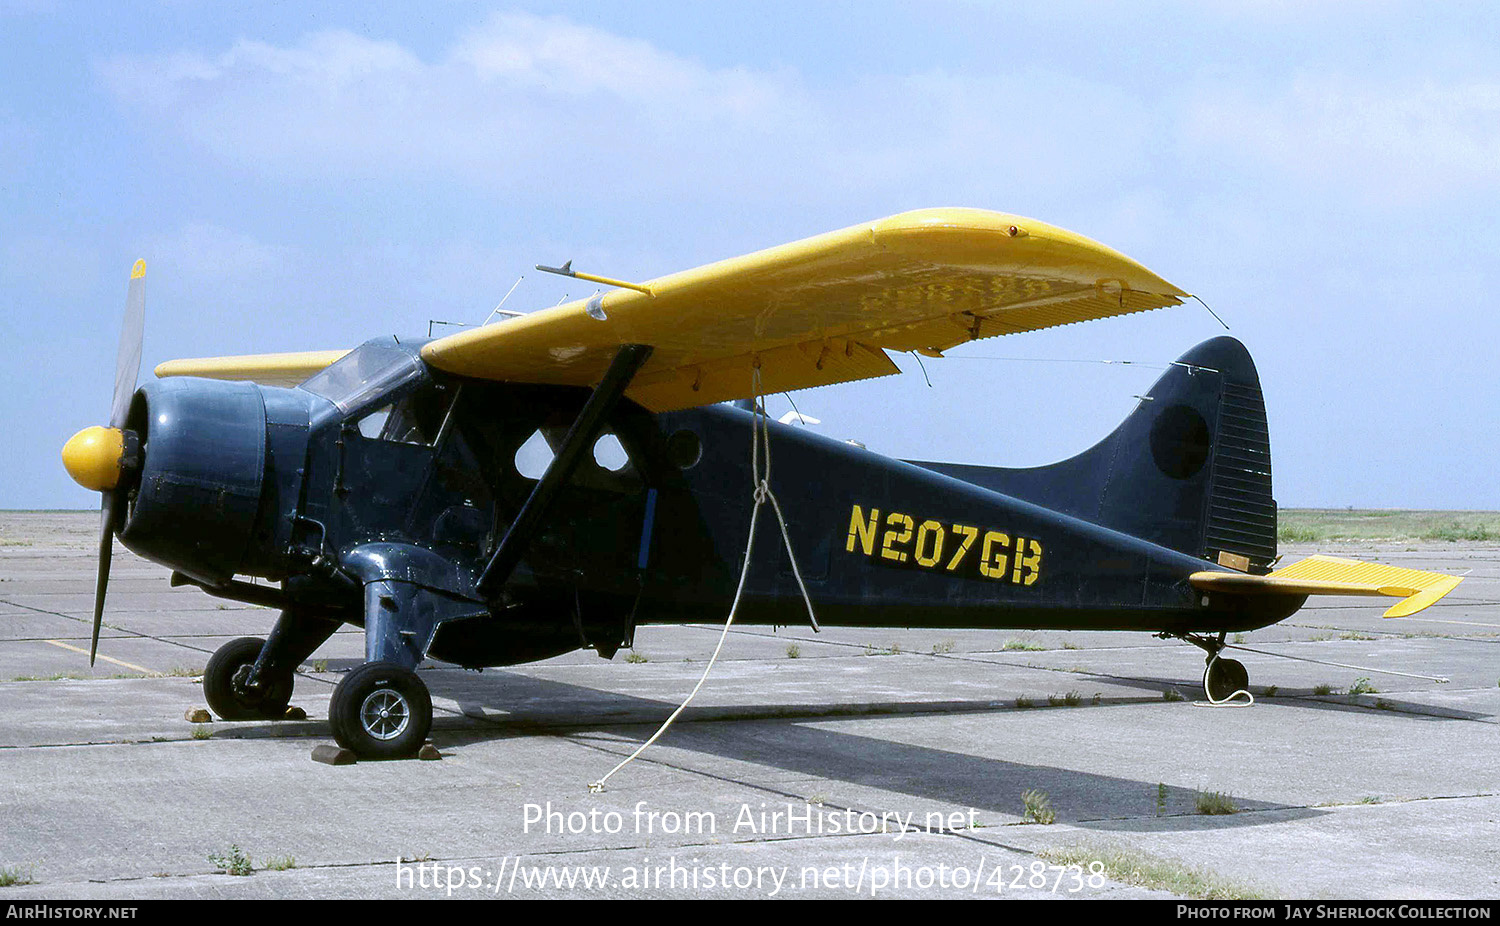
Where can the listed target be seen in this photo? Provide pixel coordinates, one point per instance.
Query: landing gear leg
(382, 710)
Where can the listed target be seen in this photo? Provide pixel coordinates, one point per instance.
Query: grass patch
(1071, 699)
(633, 657)
(180, 672)
(1023, 702)
(233, 862)
(1311, 525)
(12, 875)
(1362, 686)
(1215, 803)
(1038, 807)
(793, 651)
(279, 863)
(1356, 635)
(1141, 870)
(1454, 531)
(1322, 689)
(1029, 646)
(202, 731)
(1172, 694)
(943, 648)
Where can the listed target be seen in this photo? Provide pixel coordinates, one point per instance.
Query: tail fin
(1189, 469)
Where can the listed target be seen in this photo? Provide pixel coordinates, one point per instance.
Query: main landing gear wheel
(228, 695)
(381, 711)
(1223, 677)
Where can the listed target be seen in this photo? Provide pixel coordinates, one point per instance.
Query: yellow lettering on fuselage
(992, 558)
(862, 530)
(897, 538)
(898, 529)
(1028, 566)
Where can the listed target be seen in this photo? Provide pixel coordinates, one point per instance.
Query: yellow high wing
(818, 311)
(815, 312)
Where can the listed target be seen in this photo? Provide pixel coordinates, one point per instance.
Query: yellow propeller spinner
(93, 457)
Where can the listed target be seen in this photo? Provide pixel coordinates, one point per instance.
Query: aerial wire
(496, 310)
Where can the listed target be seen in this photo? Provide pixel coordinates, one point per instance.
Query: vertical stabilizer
(1189, 469)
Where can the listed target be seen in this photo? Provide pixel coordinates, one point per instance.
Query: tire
(1223, 678)
(230, 702)
(381, 711)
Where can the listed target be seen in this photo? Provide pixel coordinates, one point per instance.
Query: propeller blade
(127, 370)
(128, 361)
(106, 551)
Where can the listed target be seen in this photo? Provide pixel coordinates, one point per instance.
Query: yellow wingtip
(1408, 606)
(139, 270)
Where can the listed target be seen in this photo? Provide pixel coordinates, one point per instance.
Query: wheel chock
(333, 755)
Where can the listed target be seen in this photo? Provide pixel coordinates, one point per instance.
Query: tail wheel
(1223, 677)
(225, 689)
(381, 711)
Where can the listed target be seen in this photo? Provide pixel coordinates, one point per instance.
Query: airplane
(552, 481)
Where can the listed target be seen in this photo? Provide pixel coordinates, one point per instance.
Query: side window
(372, 424)
(400, 423)
(534, 456)
(610, 454)
(607, 465)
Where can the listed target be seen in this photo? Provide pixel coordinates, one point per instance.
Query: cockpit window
(365, 374)
(374, 423)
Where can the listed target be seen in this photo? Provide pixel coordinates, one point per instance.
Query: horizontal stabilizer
(1330, 575)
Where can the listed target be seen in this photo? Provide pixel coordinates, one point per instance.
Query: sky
(1325, 174)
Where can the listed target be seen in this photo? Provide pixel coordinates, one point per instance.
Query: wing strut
(585, 430)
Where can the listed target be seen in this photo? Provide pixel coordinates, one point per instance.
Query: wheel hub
(239, 684)
(385, 714)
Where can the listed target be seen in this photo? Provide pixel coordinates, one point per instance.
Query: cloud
(1398, 143)
(532, 105)
(515, 100)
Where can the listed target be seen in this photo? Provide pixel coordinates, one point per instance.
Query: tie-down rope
(760, 443)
